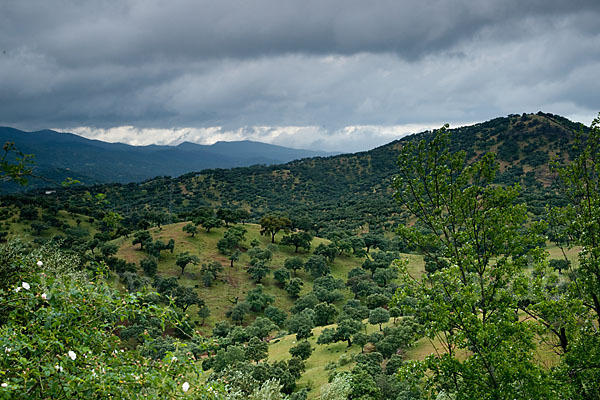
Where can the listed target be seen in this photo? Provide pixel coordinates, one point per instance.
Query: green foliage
(308, 301)
(149, 266)
(344, 331)
(300, 321)
(353, 309)
(256, 253)
(379, 316)
(317, 266)
(210, 223)
(293, 287)
(184, 259)
(281, 275)
(302, 350)
(327, 288)
(231, 240)
(276, 315)
(184, 297)
(210, 272)
(238, 312)
(328, 251)
(14, 165)
(261, 328)
(141, 237)
(58, 340)
(471, 304)
(258, 300)
(190, 228)
(379, 260)
(571, 316)
(203, 310)
(293, 264)
(324, 314)
(373, 240)
(256, 350)
(271, 224)
(298, 240)
(339, 388)
(258, 270)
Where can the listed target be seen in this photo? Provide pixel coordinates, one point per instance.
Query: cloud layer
(311, 70)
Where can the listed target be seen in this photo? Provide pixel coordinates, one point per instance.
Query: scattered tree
(149, 266)
(190, 228)
(302, 350)
(317, 266)
(379, 316)
(271, 224)
(184, 259)
(293, 264)
(298, 240)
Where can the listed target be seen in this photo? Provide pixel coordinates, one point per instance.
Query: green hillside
(312, 277)
(233, 282)
(350, 190)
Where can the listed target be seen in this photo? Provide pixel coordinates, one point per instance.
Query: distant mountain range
(61, 155)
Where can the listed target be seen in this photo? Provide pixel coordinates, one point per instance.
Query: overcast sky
(338, 75)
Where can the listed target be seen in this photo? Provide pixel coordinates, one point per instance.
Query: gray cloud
(327, 64)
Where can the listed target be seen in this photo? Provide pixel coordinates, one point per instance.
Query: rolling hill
(350, 190)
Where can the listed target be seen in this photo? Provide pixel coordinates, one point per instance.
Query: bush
(58, 339)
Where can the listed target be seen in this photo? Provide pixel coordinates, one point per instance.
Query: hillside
(351, 190)
(358, 308)
(61, 155)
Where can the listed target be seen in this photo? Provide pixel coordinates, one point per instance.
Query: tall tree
(470, 306)
(572, 316)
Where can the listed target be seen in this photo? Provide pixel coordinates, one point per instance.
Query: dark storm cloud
(134, 31)
(304, 63)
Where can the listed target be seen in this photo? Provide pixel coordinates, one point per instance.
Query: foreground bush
(59, 337)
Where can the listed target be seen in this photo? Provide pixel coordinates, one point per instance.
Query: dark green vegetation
(347, 191)
(462, 302)
(62, 155)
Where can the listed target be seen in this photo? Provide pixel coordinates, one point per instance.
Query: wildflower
(17, 289)
(59, 368)
(173, 358)
(72, 355)
(44, 296)
(4, 384)
(25, 285)
(40, 263)
(185, 387)
(7, 349)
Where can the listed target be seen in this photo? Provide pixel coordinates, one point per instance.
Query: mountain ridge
(59, 155)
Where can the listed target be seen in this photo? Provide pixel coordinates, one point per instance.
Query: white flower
(17, 289)
(39, 263)
(173, 358)
(44, 296)
(185, 387)
(59, 368)
(25, 285)
(7, 349)
(72, 355)
(4, 384)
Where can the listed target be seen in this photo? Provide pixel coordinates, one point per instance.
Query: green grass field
(233, 282)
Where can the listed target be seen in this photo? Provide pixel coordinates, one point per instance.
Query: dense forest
(454, 264)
